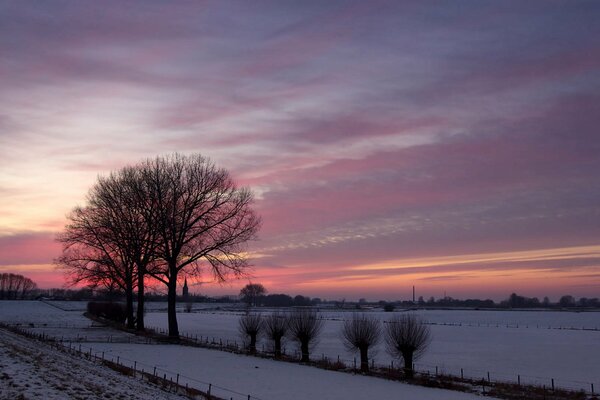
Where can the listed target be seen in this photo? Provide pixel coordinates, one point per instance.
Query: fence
(473, 375)
(170, 380)
(466, 375)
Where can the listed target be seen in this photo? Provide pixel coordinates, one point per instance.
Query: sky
(450, 146)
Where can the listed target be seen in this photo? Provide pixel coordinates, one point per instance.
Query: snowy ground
(264, 378)
(504, 343)
(32, 370)
(36, 371)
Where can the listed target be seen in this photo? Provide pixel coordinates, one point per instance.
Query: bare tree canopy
(305, 328)
(360, 333)
(160, 217)
(251, 292)
(15, 286)
(92, 254)
(250, 326)
(201, 218)
(407, 337)
(275, 328)
(107, 242)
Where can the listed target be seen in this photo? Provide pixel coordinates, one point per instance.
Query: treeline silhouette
(15, 286)
(514, 301)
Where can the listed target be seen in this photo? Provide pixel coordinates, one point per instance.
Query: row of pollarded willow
(302, 326)
(160, 218)
(406, 336)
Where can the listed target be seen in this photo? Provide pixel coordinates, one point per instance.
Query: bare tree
(15, 286)
(158, 218)
(93, 255)
(407, 337)
(250, 326)
(122, 199)
(361, 332)
(251, 292)
(201, 218)
(275, 329)
(304, 328)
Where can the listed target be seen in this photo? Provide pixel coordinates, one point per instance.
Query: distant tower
(185, 288)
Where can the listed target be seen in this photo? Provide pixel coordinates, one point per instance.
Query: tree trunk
(364, 359)
(252, 343)
(129, 305)
(140, 300)
(277, 347)
(304, 350)
(408, 364)
(172, 302)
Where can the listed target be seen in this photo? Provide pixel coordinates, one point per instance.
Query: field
(537, 345)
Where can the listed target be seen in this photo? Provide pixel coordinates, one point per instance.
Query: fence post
(209, 388)
(154, 373)
(461, 374)
(436, 370)
(354, 362)
(519, 380)
(553, 384)
(489, 376)
(592, 388)
(177, 379)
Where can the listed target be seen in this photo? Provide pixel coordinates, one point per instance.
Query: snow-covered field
(504, 343)
(37, 371)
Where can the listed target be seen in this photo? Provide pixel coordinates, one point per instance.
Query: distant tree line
(513, 301)
(15, 286)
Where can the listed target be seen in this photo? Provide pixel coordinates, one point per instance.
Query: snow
(42, 372)
(265, 378)
(30, 369)
(503, 343)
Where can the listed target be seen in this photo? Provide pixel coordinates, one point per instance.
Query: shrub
(109, 310)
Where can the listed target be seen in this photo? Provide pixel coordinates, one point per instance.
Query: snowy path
(32, 370)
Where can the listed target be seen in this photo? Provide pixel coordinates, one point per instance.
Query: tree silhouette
(251, 292)
(202, 220)
(304, 328)
(276, 326)
(361, 332)
(407, 337)
(160, 217)
(250, 326)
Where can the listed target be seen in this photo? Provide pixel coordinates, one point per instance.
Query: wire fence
(392, 369)
(342, 363)
(168, 379)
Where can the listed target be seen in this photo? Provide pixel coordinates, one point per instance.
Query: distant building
(185, 288)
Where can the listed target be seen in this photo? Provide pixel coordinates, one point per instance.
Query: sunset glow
(453, 147)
